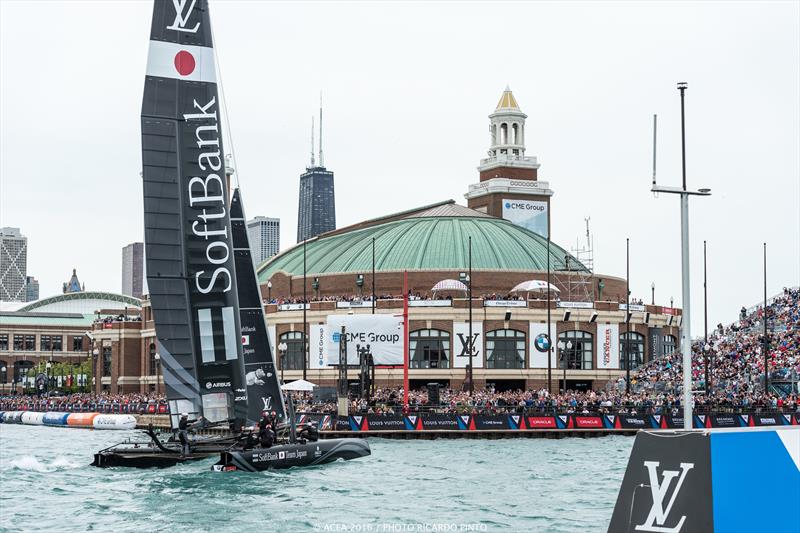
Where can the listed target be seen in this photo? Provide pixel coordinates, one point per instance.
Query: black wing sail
(263, 386)
(189, 250)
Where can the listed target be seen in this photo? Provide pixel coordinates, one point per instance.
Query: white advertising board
(461, 344)
(608, 346)
(529, 214)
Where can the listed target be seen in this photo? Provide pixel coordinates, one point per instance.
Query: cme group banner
(529, 214)
(383, 334)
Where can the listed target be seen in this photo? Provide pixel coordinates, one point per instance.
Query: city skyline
(590, 126)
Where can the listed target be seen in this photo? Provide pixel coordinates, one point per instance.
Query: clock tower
(509, 185)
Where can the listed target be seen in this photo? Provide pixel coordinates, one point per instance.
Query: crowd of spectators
(736, 371)
(52, 402)
(735, 356)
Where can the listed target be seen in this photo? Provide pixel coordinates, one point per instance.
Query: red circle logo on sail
(184, 63)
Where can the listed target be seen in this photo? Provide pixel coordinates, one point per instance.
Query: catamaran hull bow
(289, 455)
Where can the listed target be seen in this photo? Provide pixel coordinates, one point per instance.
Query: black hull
(155, 454)
(292, 455)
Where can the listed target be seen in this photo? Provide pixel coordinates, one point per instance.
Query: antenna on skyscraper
(655, 125)
(321, 159)
(312, 142)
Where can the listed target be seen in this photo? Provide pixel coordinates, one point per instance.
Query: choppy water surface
(405, 486)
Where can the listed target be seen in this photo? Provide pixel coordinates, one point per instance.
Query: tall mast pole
(705, 319)
(686, 338)
(627, 342)
(305, 321)
(766, 338)
(405, 341)
(550, 349)
(471, 340)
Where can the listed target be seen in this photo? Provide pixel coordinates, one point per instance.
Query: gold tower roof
(507, 101)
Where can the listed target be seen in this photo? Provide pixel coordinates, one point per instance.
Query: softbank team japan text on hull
(292, 455)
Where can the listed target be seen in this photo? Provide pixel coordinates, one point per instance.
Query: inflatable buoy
(32, 418)
(82, 420)
(114, 422)
(55, 419)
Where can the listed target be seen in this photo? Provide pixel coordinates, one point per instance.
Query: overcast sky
(407, 90)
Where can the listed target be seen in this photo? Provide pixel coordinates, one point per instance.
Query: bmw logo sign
(542, 342)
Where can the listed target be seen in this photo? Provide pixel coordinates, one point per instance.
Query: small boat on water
(215, 354)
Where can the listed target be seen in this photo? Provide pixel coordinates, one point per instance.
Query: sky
(407, 89)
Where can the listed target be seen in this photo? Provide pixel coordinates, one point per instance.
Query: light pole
(269, 291)
(282, 352)
(471, 340)
(705, 318)
(305, 304)
(626, 344)
(766, 337)
(4, 369)
(686, 339)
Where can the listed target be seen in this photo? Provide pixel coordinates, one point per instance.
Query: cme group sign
(529, 214)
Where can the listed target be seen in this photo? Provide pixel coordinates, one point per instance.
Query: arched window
(669, 344)
(295, 350)
(153, 370)
(505, 348)
(631, 343)
(106, 361)
(3, 372)
(515, 133)
(494, 134)
(503, 133)
(429, 348)
(576, 350)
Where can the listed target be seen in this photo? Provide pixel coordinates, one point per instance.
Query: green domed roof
(433, 239)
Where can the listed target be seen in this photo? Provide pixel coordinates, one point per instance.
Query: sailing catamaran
(216, 360)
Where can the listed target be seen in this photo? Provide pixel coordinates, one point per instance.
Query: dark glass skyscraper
(316, 212)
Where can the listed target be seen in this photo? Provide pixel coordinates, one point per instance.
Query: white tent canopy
(299, 385)
(534, 285)
(449, 285)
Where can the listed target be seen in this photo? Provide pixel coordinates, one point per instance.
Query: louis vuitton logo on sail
(657, 517)
(206, 197)
(182, 16)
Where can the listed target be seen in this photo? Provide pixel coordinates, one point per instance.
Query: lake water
(545, 485)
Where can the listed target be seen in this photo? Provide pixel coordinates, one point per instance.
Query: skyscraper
(133, 269)
(316, 212)
(31, 289)
(13, 265)
(265, 237)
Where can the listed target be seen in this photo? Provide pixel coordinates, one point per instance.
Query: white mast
(321, 159)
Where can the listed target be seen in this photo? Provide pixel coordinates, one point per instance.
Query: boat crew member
(183, 434)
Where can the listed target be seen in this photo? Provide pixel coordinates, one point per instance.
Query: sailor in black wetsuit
(183, 434)
(266, 435)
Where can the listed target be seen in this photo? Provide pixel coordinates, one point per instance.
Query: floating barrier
(32, 419)
(82, 420)
(114, 422)
(55, 419)
(75, 420)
